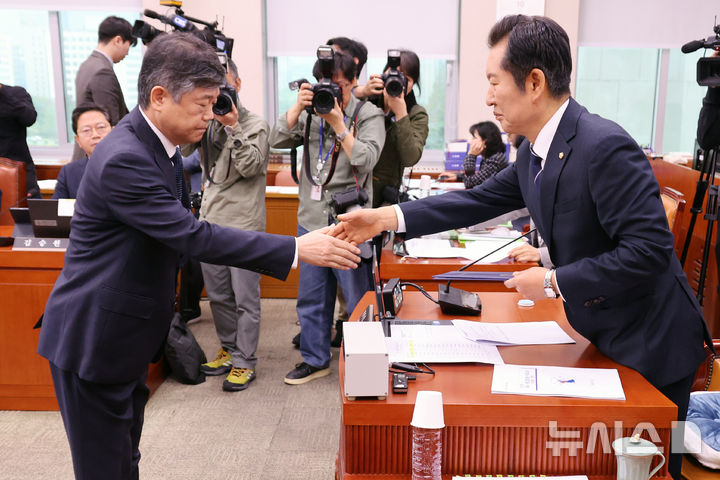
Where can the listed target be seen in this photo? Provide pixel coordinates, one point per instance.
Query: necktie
(536, 171)
(177, 161)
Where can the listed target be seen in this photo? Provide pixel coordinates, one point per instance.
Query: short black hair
(489, 132)
(84, 108)
(535, 42)
(180, 62)
(409, 65)
(343, 63)
(113, 26)
(353, 47)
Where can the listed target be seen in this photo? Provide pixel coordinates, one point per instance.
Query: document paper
(438, 248)
(437, 344)
(601, 383)
(514, 333)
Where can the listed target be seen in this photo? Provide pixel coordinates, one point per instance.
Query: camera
(395, 81)
(183, 23)
(325, 92)
(708, 68)
(228, 94)
(196, 200)
(342, 202)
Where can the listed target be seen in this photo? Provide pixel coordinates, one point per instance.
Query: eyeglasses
(100, 128)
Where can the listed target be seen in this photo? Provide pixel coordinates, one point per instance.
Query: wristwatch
(342, 135)
(548, 285)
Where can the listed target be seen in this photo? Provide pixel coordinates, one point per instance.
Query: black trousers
(679, 394)
(103, 424)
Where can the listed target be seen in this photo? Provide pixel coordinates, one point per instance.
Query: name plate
(44, 244)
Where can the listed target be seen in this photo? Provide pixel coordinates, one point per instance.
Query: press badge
(316, 192)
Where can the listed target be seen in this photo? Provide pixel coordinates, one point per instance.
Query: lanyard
(321, 161)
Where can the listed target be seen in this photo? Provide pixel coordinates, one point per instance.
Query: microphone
(454, 301)
(175, 21)
(692, 46)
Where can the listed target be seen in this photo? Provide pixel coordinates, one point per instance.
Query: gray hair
(179, 62)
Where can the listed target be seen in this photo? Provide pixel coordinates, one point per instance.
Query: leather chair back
(14, 189)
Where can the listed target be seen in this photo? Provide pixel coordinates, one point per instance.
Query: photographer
(234, 164)
(406, 123)
(350, 137)
(708, 131)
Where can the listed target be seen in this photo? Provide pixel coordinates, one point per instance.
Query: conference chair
(284, 178)
(674, 204)
(13, 187)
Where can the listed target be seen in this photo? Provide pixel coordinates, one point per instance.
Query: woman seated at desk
(90, 123)
(487, 144)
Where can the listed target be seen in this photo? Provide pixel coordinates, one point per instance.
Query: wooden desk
(26, 279)
(421, 271)
(501, 434)
(281, 214)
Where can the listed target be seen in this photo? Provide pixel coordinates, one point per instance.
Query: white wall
(476, 19)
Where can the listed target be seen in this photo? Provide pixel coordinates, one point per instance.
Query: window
(41, 51)
(620, 84)
(25, 60)
(684, 99)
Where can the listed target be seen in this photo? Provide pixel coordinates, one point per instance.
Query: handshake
(336, 246)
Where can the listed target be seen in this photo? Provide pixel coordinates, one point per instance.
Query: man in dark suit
(17, 113)
(110, 310)
(95, 81)
(595, 201)
(90, 123)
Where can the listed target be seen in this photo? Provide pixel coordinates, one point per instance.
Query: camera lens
(394, 87)
(323, 101)
(223, 105)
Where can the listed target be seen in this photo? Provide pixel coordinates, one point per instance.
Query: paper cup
(428, 411)
(425, 182)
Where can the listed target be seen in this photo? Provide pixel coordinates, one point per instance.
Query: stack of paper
(437, 344)
(514, 333)
(601, 383)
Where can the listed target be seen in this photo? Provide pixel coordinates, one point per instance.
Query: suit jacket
(68, 180)
(602, 219)
(111, 307)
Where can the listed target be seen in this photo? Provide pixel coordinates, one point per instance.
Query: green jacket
(404, 143)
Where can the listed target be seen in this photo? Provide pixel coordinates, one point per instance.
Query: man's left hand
(529, 283)
(229, 119)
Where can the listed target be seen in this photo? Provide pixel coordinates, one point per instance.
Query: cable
(422, 290)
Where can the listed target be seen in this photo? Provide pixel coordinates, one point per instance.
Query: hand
(229, 119)
(364, 224)
(525, 253)
(319, 248)
(335, 118)
(304, 97)
(397, 105)
(530, 283)
(477, 146)
(448, 176)
(374, 86)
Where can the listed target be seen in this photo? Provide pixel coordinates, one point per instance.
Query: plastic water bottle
(427, 422)
(426, 453)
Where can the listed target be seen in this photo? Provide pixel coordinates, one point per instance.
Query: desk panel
(281, 215)
(26, 280)
(502, 434)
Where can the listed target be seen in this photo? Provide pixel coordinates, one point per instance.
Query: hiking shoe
(238, 379)
(221, 364)
(303, 373)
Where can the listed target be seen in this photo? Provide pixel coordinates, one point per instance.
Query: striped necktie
(177, 161)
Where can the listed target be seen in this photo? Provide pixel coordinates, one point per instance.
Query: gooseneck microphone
(454, 301)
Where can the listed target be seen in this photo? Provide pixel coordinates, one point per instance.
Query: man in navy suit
(595, 201)
(90, 123)
(110, 310)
